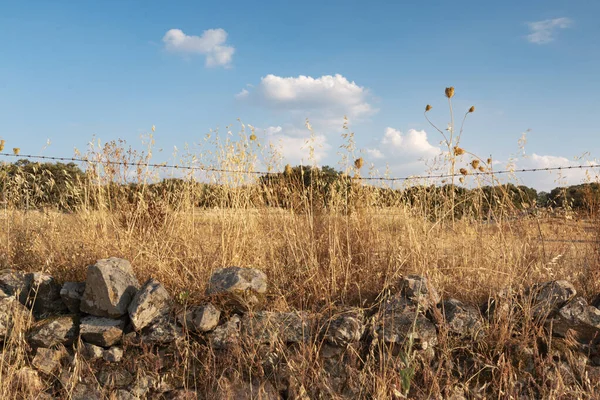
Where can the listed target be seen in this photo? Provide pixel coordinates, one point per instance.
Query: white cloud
(212, 44)
(375, 154)
(551, 179)
(294, 145)
(542, 32)
(413, 142)
(329, 96)
(403, 154)
(243, 94)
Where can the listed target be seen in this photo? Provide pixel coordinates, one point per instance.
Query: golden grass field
(316, 260)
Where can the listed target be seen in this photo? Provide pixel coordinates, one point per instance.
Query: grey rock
(227, 335)
(44, 295)
(200, 319)
(109, 288)
(103, 332)
(28, 383)
(418, 289)
(581, 319)
(150, 302)
(180, 394)
(272, 327)
(462, 319)
(92, 352)
(113, 355)
(47, 360)
(122, 394)
(12, 314)
(54, 331)
(114, 378)
(231, 389)
(72, 294)
(237, 280)
(547, 298)
(162, 331)
(83, 391)
(345, 328)
(142, 385)
(396, 328)
(15, 283)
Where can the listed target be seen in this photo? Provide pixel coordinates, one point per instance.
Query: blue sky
(70, 71)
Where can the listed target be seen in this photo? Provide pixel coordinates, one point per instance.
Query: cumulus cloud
(404, 154)
(212, 44)
(325, 97)
(543, 32)
(295, 146)
(551, 179)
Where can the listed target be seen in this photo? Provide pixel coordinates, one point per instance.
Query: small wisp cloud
(212, 44)
(544, 32)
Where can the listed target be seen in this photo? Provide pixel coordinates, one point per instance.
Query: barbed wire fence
(266, 173)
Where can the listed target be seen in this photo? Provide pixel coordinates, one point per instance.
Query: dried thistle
(427, 107)
(253, 137)
(16, 151)
(450, 92)
(475, 164)
(2, 143)
(153, 128)
(458, 151)
(489, 161)
(288, 169)
(464, 171)
(481, 168)
(462, 180)
(358, 163)
(472, 109)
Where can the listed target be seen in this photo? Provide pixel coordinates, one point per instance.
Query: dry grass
(316, 260)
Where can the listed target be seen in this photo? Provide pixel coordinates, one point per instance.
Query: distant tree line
(33, 185)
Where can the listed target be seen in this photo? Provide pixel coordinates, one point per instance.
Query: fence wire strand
(228, 171)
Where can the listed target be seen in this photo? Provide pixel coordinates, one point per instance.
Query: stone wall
(115, 324)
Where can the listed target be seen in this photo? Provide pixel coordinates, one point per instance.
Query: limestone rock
(226, 335)
(581, 319)
(109, 288)
(462, 319)
(92, 352)
(418, 289)
(103, 332)
(83, 391)
(47, 360)
(122, 394)
(150, 302)
(397, 327)
(345, 328)
(28, 382)
(162, 331)
(272, 327)
(72, 294)
(200, 319)
(15, 283)
(44, 295)
(113, 355)
(54, 331)
(236, 389)
(114, 378)
(237, 280)
(12, 314)
(549, 297)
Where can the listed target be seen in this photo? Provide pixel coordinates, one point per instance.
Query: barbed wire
(229, 171)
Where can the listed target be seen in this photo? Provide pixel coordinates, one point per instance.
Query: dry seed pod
(358, 163)
(450, 92)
